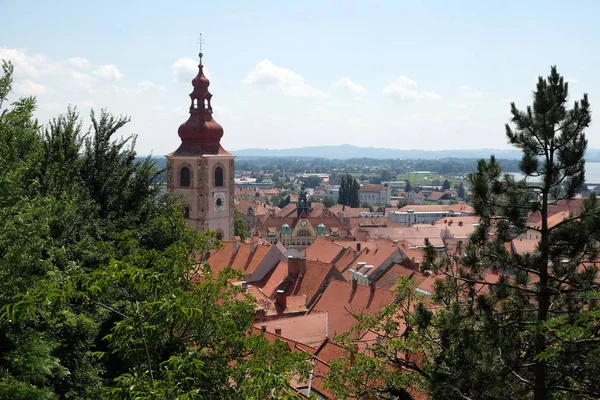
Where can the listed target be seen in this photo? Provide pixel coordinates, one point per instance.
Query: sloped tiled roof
(435, 196)
(310, 283)
(245, 260)
(342, 302)
(346, 259)
(390, 277)
(371, 188)
(522, 246)
(323, 250)
(307, 329)
(377, 256)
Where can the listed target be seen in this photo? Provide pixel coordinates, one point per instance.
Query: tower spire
(200, 134)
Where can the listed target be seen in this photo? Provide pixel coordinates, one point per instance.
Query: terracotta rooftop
(310, 283)
(435, 196)
(273, 279)
(522, 246)
(244, 260)
(342, 302)
(415, 235)
(390, 277)
(458, 208)
(375, 256)
(573, 206)
(309, 329)
(465, 219)
(346, 259)
(293, 345)
(323, 250)
(328, 351)
(287, 210)
(554, 219)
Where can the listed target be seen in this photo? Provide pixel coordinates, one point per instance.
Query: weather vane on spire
(200, 41)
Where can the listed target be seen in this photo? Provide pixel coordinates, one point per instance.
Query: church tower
(200, 169)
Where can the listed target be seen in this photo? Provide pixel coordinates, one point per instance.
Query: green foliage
(100, 295)
(408, 186)
(446, 185)
(348, 194)
(502, 325)
(329, 201)
(239, 226)
(312, 181)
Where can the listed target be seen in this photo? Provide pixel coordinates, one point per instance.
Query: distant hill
(345, 151)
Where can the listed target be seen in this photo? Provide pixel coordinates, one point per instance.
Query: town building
(200, 169)
(374, 194)
(428, 214)
(296, 227)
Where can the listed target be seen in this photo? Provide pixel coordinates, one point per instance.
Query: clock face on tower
(219, 202)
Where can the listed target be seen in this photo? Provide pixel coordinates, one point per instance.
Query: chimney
(372, 288)
(291, 271)
(417, 267)
(358, 246)
(450, 223)
(354, 284)
(236, 247)
(263, 328)
(245, 286)
(460, 223)
(281, 299)
(297, 266)
(494, 270)
(278, 330)
(254, 246)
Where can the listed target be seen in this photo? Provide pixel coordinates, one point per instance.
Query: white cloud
(468, 91)
(30, 66)
(108, 72)
(265, 73)
(29, 88)
(78, 62)
(148, 85)
(404, 88)
(572, 80)
(348, 84)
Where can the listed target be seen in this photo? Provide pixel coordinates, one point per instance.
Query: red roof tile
(311, 282)
(323, 250)
(244, 260)
(342, 302)
(307, 329)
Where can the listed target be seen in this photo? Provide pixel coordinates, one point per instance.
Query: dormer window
(184, 177)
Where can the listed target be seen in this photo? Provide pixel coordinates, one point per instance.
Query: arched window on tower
(218, 177)
(205, 104)
(184, 177)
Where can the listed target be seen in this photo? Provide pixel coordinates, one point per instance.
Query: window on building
(218, 177)
(184, 177)
(303, 233)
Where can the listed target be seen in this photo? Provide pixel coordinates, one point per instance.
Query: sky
(434, 75)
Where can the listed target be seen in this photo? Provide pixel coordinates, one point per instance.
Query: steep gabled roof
(323, 250)
(342, 302)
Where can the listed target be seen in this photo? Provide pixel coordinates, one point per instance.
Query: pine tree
(503, 325)
(536, 329)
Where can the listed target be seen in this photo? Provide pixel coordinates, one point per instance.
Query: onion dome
(200, 134)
